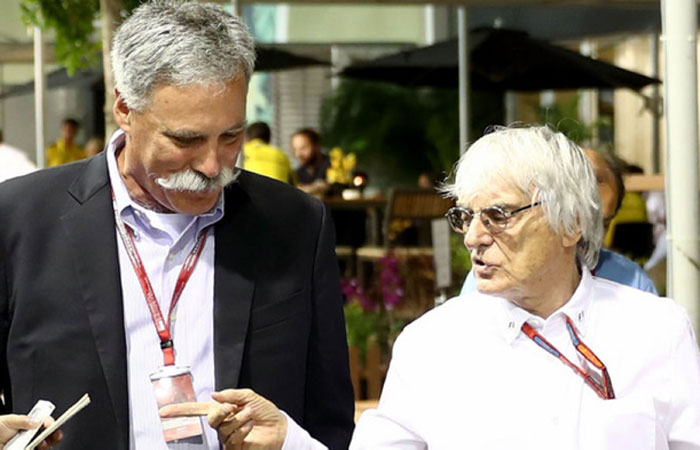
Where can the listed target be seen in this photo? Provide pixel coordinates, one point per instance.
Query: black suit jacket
(278, 321)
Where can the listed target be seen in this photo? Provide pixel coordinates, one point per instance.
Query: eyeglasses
(494, 218)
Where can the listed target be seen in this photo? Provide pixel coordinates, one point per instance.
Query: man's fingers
(220, 414)
(233, 422)
(236, 396)
(49, 421)
(19, 422)
(238, 435)
(235, 428)
(55, 438)
(188, 409)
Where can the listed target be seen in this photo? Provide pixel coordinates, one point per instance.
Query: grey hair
(546, 166)
(170, 42)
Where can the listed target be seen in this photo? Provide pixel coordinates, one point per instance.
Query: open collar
(512, 316)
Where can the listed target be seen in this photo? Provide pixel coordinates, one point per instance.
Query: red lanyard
(163, 328)
(604, 389)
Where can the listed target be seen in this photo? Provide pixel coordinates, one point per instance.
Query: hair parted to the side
(546, 166)
(170, 42)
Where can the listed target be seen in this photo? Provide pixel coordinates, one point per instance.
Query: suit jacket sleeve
(4, 326)
(329, 398)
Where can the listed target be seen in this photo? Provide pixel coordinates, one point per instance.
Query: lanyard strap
(162, 327)
(604, 389)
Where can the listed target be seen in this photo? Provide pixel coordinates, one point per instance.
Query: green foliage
(130, 5)
(563, 116)
(73, 23)
(360, 325)
(396, 130)
(461, 262)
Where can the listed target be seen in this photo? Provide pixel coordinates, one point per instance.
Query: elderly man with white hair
(544, 355)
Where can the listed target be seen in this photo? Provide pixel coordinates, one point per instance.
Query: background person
(262, 158)
(94, 145)
(262, 305)
(65, 150)
(543, 356)
(611, 265)
(13, 161)
(311, 175)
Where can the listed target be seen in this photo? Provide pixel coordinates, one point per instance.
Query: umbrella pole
(463, 49)
(681, 106)
(39, 91)
(655, 112)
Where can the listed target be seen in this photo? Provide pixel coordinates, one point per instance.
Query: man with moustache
(158, 254)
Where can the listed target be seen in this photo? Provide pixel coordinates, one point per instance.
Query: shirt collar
(124, 203)
(576, 309)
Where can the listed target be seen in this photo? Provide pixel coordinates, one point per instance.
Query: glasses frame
(489, 225)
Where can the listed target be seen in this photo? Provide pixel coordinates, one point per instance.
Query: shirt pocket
(626, 423)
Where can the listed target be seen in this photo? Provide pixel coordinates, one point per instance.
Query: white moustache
(190, 180)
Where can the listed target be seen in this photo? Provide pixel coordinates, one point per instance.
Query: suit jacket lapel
(90, 230)
(233, 287)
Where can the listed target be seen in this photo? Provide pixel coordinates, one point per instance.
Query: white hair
(170, 42)
(546, 166)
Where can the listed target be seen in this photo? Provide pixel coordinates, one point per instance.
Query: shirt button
(170, 256)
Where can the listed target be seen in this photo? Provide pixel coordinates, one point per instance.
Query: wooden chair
(346, 255)
(410, 209)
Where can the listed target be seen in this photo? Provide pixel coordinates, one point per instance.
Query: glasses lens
(459, 219)
(495, 216)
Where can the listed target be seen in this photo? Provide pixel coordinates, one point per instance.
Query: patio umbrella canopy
(500, 60)
(268, 59)
(272, 59)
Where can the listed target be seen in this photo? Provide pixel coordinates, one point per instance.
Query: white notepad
(70, 412)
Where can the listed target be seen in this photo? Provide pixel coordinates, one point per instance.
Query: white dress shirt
(164, 241)
(13, 162)
(465, 376)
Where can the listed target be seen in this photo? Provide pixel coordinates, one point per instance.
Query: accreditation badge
(173, 384)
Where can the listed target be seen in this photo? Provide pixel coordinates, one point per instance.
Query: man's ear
(571, 239)
(122, 113)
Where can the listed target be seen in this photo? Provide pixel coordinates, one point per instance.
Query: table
(363, 213)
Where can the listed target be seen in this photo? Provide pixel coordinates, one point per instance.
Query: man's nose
(477, 234)
(209, 162)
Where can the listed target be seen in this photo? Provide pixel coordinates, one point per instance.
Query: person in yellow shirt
(631, 208)
(65, 150)
(262, 158)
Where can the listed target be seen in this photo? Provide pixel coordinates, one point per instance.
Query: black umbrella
(270, 59)
(500, 60)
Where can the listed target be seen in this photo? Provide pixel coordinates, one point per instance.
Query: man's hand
(242, 418)
(11, 424)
